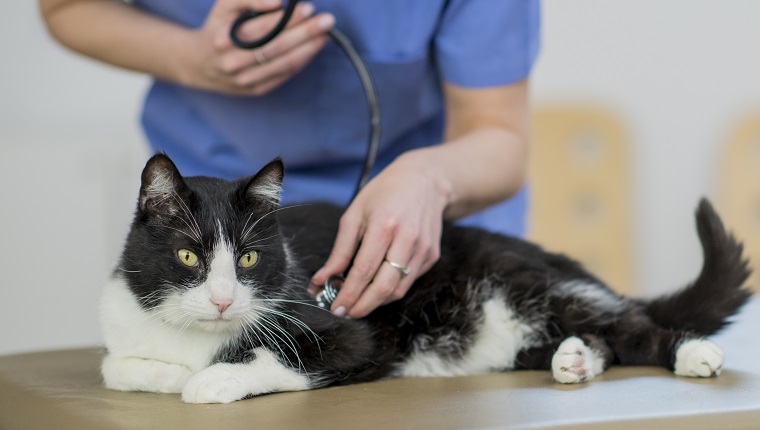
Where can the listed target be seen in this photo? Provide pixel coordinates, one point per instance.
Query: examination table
(62, 390)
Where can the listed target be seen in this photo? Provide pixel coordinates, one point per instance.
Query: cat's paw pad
(698, 358)
(574, 362)
(219, 383)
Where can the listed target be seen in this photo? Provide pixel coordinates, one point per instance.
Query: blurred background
(641, 108)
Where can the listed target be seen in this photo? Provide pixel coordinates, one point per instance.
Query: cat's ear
(162, 187)
(265, 186)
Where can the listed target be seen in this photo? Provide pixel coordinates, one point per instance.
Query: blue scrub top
(318, 121)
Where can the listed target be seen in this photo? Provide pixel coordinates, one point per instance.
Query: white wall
(70, 148)
(678, 72)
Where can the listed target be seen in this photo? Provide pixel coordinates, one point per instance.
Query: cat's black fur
(443, 310)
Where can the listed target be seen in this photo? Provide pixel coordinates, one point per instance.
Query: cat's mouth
(220, 323)
(218, 319)
(222, 318)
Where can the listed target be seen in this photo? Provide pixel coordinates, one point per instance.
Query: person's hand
(210, 61)
(398, 216)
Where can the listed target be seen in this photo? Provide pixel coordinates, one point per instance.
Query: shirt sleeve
(484, 43)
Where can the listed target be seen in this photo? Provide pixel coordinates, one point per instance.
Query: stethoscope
(330, 291)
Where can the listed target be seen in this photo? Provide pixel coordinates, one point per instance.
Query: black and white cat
(209, 300)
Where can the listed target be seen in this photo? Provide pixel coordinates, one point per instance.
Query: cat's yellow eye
(187, 257)
(249, 259)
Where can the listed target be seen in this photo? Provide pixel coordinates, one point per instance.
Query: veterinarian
(452, 79)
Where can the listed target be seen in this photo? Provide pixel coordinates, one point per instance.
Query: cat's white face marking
(219, 302)
(221, 282)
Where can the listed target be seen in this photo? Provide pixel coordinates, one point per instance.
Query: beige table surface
(62, 390)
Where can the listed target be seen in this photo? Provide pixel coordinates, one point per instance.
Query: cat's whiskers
(150, 295)
(244, 230)
(195, 228)
(248, 245)
(249, 238)
(167, 311)
(151, 298)
(294, 279)
(247, 231)
(271, 327)
(300, 302)
(298, 323)
(301, 325)
(194, 236)
(249, 326)
(178, 230)
(166, 321)
(267, 333)
(246, 334)
(288, 341)
(167, 314)
(188, 219)
(185, 326)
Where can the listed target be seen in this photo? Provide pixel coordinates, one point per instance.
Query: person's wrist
(182, 62)
(426, 162)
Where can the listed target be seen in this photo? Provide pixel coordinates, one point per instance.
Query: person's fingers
(350, 231)
(250, 70)
(253, 29)
(372, 250)
(430, 246)
(260, 26)
(224, 12)
(261, 79)
(385, 284)
(427, 250)
(297, 35)
(416, 269)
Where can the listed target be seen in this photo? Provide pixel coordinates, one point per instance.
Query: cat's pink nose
(222, 304)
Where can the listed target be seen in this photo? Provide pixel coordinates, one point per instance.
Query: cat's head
(204, 252)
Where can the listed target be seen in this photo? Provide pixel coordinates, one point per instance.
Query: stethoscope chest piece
(330, 291)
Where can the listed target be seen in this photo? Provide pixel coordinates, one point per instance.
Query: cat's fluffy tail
(705, 306)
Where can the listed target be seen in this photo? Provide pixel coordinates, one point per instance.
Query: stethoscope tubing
(373, 106)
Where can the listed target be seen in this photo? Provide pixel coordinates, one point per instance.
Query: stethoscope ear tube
(251, 14)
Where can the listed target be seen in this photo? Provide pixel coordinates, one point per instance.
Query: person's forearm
(484, 157)
(476, 170)
(116, 33)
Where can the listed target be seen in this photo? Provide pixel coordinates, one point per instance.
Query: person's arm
(485, 154)
(203, 58)
(399, 214)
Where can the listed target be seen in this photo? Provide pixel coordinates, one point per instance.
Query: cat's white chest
(130, 331)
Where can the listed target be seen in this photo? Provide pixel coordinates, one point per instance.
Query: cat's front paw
(143, 374)
(219, 383)
(574, 362)
(698, 358)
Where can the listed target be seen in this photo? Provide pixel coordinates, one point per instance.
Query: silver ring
(260, 58)
(403, 270)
